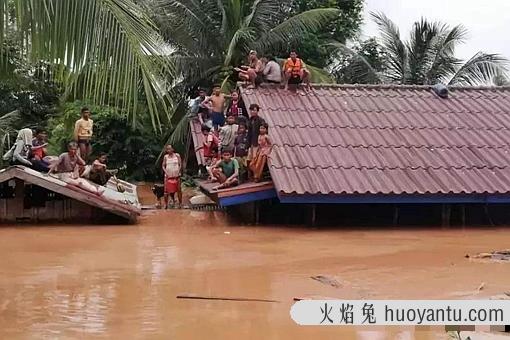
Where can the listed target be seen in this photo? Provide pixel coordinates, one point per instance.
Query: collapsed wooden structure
(30, 196)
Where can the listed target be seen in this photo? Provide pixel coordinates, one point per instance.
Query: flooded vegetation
(123, 281)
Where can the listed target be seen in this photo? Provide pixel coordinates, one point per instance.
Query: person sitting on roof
(253, 72)
(295, 71)
(258, 163)
(99, 173)
(210, 145)
(38, 151)
(20, 152)
(226, 171)
(272, 70)
(67, 169)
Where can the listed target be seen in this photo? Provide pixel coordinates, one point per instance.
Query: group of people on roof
(268, 70)
(235, 142)
(30, 150)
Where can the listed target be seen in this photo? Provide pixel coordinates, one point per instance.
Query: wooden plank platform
(243, 193)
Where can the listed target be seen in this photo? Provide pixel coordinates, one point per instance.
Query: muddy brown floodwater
(121, 282)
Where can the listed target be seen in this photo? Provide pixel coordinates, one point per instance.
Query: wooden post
(396, 215)
(313, 217)
(446, 214)
(257, 212)
(19, 200)
(463, 214)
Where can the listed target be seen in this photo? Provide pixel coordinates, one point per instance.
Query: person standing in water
(83, 130)
(172, 167)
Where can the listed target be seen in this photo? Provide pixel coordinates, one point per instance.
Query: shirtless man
(253, 72)
(216, 103)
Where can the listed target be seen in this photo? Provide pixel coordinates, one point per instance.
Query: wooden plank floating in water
(197, 297)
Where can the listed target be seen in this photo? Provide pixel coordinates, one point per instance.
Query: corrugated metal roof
(387, 139)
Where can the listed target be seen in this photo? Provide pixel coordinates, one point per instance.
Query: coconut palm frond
(263, 14)
(293, 29)
(480, 69)
(445, 63)
(242, 34)
(7, 122)
(104, 48)
(360, 67)
(396, 50)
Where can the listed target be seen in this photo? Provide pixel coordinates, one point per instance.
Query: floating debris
(197, 297)
(502, 255)
(331, 281)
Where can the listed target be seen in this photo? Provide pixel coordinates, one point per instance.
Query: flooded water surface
(122, 282)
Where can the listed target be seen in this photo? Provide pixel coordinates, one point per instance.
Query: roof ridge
(419, 167)
(244, 87)
(393, 127)
(391, 146)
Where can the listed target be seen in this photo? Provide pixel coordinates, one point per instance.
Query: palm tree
(209, 37)
(427, 57)
(106, 51)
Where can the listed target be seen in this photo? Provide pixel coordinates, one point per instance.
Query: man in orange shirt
(295, 72)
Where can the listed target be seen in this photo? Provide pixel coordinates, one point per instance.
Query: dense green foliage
(211, 37)
(137, 61)
(313, 46)
(105, 51)
(132, 150)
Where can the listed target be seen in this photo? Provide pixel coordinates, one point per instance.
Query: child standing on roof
(83, 133)
(210, 145)
(228, 134)
(258, 164)
(216, 102)
(241, 145)
(254, 124)
(172, 167)
(236, 108)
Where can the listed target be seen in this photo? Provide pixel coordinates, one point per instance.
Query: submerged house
(30, 196)
(385, 144)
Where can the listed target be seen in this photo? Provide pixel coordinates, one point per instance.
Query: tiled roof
(357, 139)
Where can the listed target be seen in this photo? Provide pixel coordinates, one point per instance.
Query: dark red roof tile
(387, 139)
